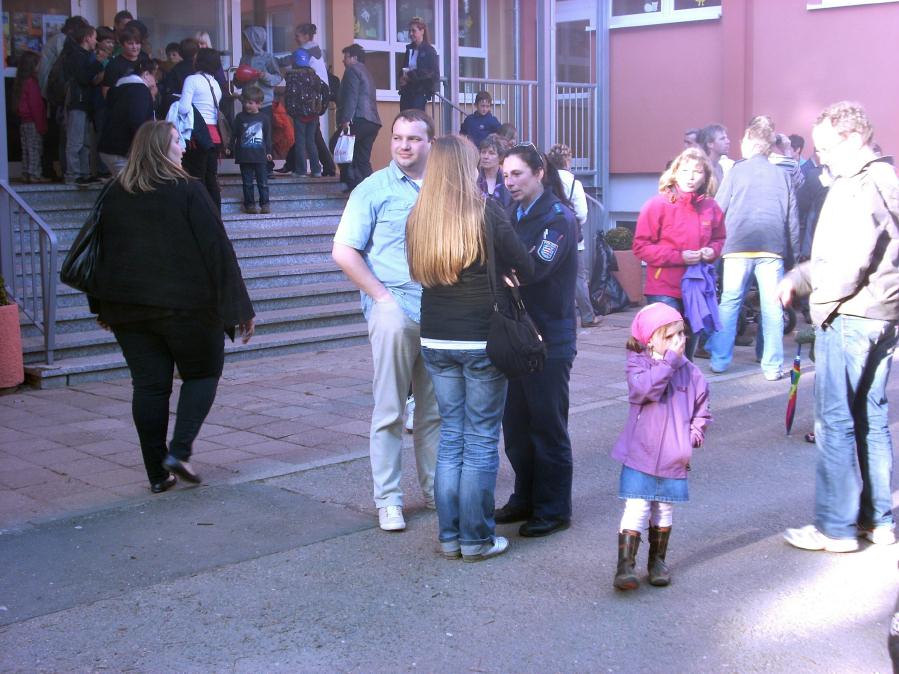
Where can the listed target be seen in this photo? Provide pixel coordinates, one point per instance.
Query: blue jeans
(257, 172)
(737, 270)
(852, 368)
(471, 395)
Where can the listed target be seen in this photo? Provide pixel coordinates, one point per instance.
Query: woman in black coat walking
(168, 286)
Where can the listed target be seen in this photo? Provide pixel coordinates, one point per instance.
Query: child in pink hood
(669, 398)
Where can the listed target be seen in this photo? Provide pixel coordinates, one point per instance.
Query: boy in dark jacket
(82, 73)
(481, 123)
(251, 147)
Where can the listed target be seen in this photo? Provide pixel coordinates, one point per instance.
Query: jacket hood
(130, 79)
(256, 36)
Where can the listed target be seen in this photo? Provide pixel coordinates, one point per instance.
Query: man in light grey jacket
(357, 111)
(853, 278)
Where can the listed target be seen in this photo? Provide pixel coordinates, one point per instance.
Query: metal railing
(515, 101)
(28, 263)
(577, 111)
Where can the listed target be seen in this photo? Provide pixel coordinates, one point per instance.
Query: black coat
(168, 249)
(129, 106)
(426, 76)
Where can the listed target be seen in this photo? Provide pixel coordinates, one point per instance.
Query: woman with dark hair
(447, 237)
(168, 286)
(535, 423)
(421, 68)
(202, 94)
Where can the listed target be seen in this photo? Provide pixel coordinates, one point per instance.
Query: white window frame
(395, 49)
(479, 52)
(830, 4)
(666, 14)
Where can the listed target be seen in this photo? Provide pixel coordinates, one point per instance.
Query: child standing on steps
(32, 111)
(669, 410)
(252, 148)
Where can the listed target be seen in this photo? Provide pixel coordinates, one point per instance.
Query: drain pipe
(516, 31)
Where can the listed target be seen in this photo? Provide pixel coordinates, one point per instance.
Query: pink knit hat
(652, 317)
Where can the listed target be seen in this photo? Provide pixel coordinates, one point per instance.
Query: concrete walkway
(276, 563)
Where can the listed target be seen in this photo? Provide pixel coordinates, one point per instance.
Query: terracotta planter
(12, 371)
(629, 275)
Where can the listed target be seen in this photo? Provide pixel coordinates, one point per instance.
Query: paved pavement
(276, 562)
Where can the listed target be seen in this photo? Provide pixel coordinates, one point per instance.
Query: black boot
(628, 543)
(659, 575)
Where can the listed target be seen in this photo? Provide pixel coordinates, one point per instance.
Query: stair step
(108, 365)
(281, 319)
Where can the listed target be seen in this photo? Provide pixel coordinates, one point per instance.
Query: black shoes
(165, 485)
(539, 526)
(182, 469)
(510, 513)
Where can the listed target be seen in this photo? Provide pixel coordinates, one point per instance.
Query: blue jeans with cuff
(471, 395)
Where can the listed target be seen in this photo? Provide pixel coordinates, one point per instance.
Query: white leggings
(638, 512)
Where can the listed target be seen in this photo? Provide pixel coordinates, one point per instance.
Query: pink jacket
(669, 410)
(666, 228)
(31, 106)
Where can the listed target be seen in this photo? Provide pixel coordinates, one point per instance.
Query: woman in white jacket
(202, 92)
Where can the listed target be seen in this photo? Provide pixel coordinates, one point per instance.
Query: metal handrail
(450, 103)
(26, 269)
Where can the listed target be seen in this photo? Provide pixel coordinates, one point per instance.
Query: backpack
(305, 94)
(57, 85)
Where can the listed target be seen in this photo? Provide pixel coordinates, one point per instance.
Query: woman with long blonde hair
(168, 286)
(446, 242)
(679, 227)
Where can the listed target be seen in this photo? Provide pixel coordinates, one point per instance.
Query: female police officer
(535, 421)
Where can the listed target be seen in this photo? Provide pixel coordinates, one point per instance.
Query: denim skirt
(634, 484)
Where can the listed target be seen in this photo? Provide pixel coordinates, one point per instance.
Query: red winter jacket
(669, 224)
(31, 105)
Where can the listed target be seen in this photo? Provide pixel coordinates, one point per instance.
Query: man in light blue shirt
(370, 247)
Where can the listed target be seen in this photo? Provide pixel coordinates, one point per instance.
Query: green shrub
(4, 298)
(620, 238)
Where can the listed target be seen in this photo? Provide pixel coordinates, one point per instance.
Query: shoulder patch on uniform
(557, 207)
(547, 250)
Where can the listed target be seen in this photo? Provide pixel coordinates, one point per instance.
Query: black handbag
(80, 266)
(514, 344)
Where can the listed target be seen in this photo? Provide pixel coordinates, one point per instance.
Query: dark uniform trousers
(535, 428)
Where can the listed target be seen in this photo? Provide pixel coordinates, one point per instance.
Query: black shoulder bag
(514, 345)
(80, 266)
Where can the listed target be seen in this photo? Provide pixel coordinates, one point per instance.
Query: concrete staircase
(303, 301)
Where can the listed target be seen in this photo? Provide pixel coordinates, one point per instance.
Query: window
(827, 4)
(173, 20)
(28, 24)
(472, 39)
(648, 12)
(381, 27)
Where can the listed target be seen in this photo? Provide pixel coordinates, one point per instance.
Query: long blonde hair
(445, 230)
(669, 178)
(148, 162)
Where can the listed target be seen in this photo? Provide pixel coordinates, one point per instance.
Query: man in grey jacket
(762, 230)
(357, 110)
(853, 278)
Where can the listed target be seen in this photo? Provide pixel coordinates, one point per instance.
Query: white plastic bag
(343, 150)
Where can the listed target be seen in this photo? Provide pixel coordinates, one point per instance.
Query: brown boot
(659, 575)
(628, 543)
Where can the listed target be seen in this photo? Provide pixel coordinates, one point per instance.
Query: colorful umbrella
(794, 390)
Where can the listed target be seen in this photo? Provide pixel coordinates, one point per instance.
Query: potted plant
(630, 270)
(12, 371)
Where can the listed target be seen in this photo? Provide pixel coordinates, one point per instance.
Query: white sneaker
(499, 546)
(774, 376)
(809, 538)
(391, 518)
(883, 535)
(410, 413)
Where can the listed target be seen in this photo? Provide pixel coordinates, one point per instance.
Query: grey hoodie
(263, 61)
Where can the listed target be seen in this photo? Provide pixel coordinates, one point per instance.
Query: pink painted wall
(763, 57)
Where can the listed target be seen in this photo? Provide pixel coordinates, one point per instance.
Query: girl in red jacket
(32, 113)
(680, 226)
